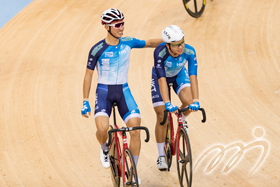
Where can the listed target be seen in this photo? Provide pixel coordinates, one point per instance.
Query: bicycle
(194, 10)
(181, 149)
(121, 159)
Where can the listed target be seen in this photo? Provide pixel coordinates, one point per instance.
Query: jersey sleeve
(134, 43)
(91, 61)
(192, 63)
(159, 58)
(94, 54)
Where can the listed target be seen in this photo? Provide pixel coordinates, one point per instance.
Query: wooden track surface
(44, 141)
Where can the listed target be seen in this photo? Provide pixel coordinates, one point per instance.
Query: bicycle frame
(115, 139)
(121, 159)
(173, 139)
(180, 125)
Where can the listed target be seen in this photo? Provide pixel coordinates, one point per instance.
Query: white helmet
(111, 15)
(172, 33)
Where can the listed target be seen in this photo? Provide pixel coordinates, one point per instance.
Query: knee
(160, 116)
(102, 130)
(188, 101)
(135, 134)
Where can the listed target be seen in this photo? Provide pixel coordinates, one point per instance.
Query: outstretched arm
(153, 42)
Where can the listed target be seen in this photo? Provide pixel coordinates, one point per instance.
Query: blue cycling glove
(195, 106)
(170, 108)
(86, 108)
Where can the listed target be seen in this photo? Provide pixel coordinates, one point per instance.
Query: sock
(104, 147)
(160, 147)
(183, 117)
(135, 159)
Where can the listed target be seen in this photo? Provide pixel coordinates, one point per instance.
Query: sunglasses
(117, 25)
(177, 45)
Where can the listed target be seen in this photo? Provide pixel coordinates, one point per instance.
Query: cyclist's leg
(158, 104)
(183, 89)
(135, 141)
(102, 125)
(130, 113)
(160, 130)
(185, 96)
(102, 112)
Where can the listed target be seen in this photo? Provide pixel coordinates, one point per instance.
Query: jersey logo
(105, 73)
(162, 53)
(126, 39)
(168, 64)
(180, 64)
(153, 86)
(96, 49)
(188, 51)
(106, 68)
(105, 61)
(109, 54)
(125, 50)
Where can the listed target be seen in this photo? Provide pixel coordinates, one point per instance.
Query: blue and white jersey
(112, 62)
(167, 66)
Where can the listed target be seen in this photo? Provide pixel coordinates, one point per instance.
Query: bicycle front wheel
(194, 8)
(184, 158)
(115, 175)
(130, 177)
(167, 146)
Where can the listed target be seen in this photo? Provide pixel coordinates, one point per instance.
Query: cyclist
(111, 58)
(170, 58)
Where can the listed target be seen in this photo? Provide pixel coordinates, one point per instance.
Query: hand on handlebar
(170, 107)
(195, 106)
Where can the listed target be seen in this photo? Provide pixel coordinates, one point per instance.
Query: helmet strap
(111, 33)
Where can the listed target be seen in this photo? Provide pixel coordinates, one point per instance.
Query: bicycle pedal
(163, 169)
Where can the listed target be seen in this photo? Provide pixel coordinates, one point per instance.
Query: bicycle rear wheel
(195, 8)
(130, 177)
(115, 175)
(184, 158)
(167, 146)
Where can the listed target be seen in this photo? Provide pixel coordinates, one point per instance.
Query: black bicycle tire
(187, 161)
(128, 153)
(167, 147)
(113, 155)
(196, 14)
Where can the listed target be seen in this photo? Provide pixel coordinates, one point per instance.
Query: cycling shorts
(106, 95)
(180, 81)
